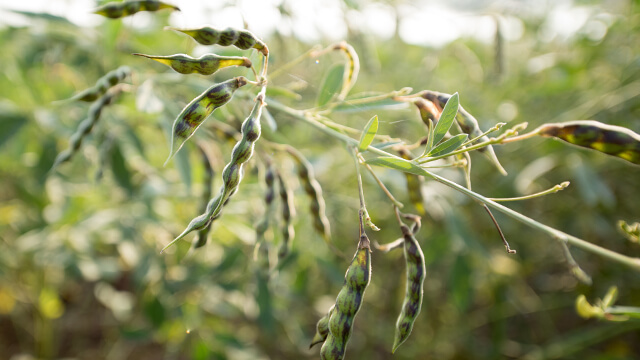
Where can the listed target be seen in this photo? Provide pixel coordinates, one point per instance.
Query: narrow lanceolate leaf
(199, 109)
(331, 85)
(205, 65)
(609, 139)
(446, 119)
(368, 133)
(449, 145)
(397, 164)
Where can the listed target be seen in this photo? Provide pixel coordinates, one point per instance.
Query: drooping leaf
(397, 164)
(448, 146)
(368, 133)
(331, 85)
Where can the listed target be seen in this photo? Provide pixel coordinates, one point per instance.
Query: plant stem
(631, 262)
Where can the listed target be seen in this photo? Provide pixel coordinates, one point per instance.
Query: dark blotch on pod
(609, 139)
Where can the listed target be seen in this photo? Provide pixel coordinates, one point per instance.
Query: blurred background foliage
(81, 276)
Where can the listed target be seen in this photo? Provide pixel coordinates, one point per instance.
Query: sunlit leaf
(446, 119)
(397, 164)
(448, 146)
(368, 133)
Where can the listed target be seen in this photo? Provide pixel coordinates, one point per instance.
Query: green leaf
(368, 133)
(387, 144)
(446, 119)
(397, 164)
(331, 85)
(449, 145)
(155, 312)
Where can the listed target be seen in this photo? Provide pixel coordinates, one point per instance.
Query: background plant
(81, 252)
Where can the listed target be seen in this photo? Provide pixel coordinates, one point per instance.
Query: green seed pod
(199, 109)
(85, 127)
(351, 71)
(313, 189)
(205, 65)
(468, 124)
(322, 329)
(103, 84)
(288, 212)
(116, 10)
(233, 171)
(348, 302)
(414, 289)
(609, 139)
(242, 39)
(263, 225)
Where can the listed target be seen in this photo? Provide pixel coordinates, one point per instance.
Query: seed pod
(414, 289)
(201, 238)
(468, 124)
(103, 84)
(199, 109)
(414, 187)
(313, 189)
(233, 171)
(322, 329)
(288, 212)
(85, 127)
(205, 65)
(116, 10)
(351, 71)
(348, 303)
(263, 225)
(242, 39)
(609, 139)
(429, 112)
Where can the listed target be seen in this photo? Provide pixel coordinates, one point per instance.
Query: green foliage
(81, 274)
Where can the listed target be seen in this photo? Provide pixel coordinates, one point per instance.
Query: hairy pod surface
(199, 109)
(609, 139)
(468, 124)
(242, 39)
(412, 304)
(205, 65)
(233, 171)
(348, 302)
(84, 128)
(116, 10)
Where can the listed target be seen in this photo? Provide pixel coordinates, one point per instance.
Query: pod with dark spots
(84, 128)
(314, 191)
(468, 124)
(205, 65)
(233, 171)
(412, 304)
(429, 112)
(103, 84)
(116, 10)
(288, 212)
(242, 39)
(609, 139)
(199, 109)
(348, 302)
(322, 329)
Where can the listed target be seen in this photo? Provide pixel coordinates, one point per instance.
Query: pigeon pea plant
(451, 133)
